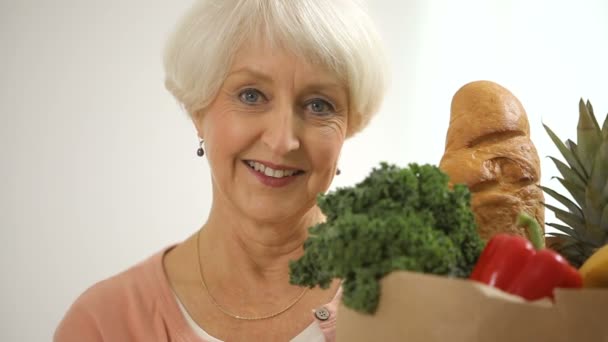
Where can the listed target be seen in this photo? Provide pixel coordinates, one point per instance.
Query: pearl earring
(200, 152)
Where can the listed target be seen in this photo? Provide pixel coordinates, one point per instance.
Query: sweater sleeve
(77, 325)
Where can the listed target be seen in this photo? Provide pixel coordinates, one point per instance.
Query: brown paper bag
(419, 307)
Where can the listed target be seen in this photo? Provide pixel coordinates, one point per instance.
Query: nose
(280, 134)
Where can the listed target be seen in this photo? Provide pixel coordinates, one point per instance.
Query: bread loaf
(488, 148)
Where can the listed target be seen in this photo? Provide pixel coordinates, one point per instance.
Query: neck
(254, 253)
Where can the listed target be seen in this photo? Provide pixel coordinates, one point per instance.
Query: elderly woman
(273, 88)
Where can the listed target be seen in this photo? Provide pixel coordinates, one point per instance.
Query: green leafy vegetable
(396, 219)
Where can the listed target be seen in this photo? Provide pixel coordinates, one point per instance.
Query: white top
(312, 333)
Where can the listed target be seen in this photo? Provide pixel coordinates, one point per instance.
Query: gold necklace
(245, 318)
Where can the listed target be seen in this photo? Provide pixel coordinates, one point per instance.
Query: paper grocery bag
(419, 307)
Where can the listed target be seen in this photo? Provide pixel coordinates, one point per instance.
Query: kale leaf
(395, 219)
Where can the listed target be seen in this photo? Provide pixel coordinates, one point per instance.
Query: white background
(98, 165)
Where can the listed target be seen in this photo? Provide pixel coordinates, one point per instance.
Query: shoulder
(129, 289)
(327, 315)
(116, 304)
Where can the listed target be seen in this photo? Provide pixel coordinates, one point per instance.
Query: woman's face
(273, 134)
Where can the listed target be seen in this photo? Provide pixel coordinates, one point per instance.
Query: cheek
(324, 149)
(324, 153)
(225, 134)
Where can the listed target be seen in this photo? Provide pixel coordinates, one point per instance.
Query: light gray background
(98, 166)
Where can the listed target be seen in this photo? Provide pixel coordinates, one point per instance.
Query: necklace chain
(228, 313)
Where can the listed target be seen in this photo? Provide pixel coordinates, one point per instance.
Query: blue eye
(319, 106)
(250, 96)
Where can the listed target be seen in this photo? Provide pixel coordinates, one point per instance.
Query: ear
(197, 120)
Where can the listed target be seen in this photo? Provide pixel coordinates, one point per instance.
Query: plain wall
(98, 165)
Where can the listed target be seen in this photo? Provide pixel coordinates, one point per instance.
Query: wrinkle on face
(282, 128)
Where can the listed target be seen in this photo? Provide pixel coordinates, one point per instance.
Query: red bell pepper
(514, 265)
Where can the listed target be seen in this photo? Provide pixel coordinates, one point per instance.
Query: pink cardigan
(138, 305)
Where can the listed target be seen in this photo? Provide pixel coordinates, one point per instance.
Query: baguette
(488, 148)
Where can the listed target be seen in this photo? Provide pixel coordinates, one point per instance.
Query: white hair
(338, 34)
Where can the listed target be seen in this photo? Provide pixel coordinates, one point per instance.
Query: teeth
(269, 171)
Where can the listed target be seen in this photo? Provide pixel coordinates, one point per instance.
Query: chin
(273, 212)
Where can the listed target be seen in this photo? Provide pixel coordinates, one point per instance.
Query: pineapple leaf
(575, 152)
(577, 192)
(598, 180)
(605, 192)
(592, 211)
(590, 110)
(562, 236)
(573, 248)
(604, 222)
(572, 207)
(565, 229)
(572, 252)
(567, 153)
(597, 193)
(568, 173)
(585, 177)
(571, 220)
(562, 240)
(575, 252)
(589, 137)
(569, 241)
(605, 128)
(566, 242)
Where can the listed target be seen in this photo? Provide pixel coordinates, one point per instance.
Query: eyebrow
(251, 72)
(330, 87)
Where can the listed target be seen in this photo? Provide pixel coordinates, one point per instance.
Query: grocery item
(595, 270)
(488, 148)
(585, 177)
(524, 268)
(397, 218)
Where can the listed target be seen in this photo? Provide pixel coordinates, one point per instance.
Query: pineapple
(585, 177)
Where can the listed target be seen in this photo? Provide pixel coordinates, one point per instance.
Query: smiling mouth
(270, 172)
